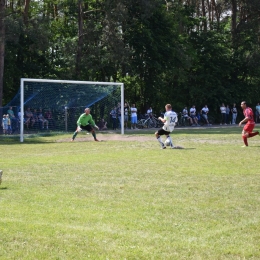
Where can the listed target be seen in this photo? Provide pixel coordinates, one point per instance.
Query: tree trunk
(234, 19)
(204, 15)
(26, 11)
(209, 14)
(80, 40)
(216, 11)
(2, 48)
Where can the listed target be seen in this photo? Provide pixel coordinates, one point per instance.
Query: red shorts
(249, 127)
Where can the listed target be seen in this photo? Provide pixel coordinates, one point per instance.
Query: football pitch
(125, 198)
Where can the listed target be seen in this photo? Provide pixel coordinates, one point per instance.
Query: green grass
(131, 200)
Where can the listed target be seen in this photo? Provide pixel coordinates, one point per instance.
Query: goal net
(61, 102)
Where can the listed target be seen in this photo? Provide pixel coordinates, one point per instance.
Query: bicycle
(147, 122)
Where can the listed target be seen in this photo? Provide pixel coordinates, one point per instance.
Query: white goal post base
(24, 80)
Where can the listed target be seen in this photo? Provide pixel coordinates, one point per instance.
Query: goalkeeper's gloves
(95, 126)
(79, 129)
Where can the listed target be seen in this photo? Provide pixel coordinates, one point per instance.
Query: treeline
(183, 51)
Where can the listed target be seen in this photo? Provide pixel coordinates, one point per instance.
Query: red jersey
(248, 112)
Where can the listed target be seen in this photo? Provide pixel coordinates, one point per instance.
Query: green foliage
(160, 49)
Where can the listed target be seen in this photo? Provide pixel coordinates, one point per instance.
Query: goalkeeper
(86, 122)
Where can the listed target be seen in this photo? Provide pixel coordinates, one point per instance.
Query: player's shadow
(3, 188)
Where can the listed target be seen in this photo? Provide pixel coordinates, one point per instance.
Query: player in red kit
(250, 123)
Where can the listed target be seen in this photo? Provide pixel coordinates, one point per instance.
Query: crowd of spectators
(39, 119)
(32, 120)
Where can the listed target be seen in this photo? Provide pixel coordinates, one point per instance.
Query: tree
(2, 48)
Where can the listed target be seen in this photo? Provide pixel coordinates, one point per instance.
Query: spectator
(19, 118)
(193, 115)
(257, 113)
(48, 116)
(150, 112)
(28, 117)
(228, 115)
(234, 114)
(14, 121)
(35, 118)
(126, 110)
(102, 124)
(114, 119)
(223, 114)
(42, 120)
(204, 114)
(5, 125)
(9, 126)
(118, 111)
(186, 115)
(133, 110)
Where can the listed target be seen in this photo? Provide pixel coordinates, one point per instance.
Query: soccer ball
(167, 142)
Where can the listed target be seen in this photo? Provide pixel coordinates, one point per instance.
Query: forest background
(184, 51)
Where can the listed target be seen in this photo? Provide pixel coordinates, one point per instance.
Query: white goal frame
(23, 80)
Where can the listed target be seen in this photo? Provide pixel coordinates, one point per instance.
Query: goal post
(68, 98)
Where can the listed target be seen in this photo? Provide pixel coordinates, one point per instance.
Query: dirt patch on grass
(110, 136)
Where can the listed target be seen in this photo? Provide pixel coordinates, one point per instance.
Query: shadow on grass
(28, 139)
(3, 188)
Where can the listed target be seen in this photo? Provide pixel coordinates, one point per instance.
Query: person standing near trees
(133, 116)
(234, 114)
(150, 112)
(118, 112)
(5, 125)
(247, 131)
(227, 115)
(113, 115)
(223, 114)
(13, 119)
(126, 110)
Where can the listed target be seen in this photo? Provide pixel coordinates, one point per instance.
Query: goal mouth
(55, 105)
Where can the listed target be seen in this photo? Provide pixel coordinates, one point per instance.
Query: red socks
(249, 135)
(245, 140)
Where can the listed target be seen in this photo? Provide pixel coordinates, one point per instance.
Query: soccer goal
(61, 102)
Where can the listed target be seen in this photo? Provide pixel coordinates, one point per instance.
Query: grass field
(130, 199)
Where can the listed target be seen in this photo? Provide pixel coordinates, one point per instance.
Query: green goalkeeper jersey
(85, 120)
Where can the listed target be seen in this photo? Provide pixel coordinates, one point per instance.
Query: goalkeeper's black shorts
(89, 128)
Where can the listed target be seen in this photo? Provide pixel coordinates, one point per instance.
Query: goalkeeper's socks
(74, 135)
(94, 135)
